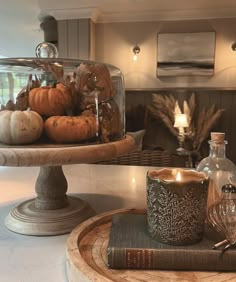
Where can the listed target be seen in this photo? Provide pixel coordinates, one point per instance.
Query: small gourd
(20, 127)
(50, 101)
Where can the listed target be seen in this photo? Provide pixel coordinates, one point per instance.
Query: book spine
(124, 258)
(130, 258)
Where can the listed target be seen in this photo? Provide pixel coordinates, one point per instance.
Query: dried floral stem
(166, 120)
(166, 107)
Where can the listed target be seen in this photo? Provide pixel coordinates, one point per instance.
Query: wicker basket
(148, 158)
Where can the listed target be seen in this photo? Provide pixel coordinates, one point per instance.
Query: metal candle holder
(176, 210)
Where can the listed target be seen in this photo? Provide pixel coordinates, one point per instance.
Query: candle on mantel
(176, 205)
(181, 121)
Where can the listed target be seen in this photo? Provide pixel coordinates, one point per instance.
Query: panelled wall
(159, 136)
(75, 39)
(113, 43)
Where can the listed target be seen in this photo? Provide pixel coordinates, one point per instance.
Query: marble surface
(36, 259)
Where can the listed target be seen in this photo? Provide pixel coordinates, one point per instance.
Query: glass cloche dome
(60, 101)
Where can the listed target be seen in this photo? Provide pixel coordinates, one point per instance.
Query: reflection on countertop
(36, 259)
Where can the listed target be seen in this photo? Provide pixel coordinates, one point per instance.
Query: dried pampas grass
(165, 107)
(206, 120)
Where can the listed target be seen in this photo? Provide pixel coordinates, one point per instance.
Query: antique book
(130, 246)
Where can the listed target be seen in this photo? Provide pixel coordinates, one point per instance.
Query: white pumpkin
(20, 127)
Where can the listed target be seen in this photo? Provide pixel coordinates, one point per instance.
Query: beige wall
(114, 43)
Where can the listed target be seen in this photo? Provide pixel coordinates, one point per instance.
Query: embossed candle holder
(176, 205)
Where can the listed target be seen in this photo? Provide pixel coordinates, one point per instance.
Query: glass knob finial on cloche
(46, 50)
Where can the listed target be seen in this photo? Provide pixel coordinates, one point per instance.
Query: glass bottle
(217, 166)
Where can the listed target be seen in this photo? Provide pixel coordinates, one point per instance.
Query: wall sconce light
(136, 51)
(233, 46)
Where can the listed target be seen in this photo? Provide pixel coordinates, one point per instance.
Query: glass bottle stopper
(218, 137)
(229, 189)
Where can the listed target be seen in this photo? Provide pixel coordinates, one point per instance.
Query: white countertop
(42, 259)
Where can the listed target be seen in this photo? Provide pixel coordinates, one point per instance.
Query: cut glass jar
(222, 216)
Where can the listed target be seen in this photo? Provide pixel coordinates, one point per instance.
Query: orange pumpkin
(68, 129)
(50, 101)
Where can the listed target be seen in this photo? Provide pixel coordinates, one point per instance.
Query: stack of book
(131, 246)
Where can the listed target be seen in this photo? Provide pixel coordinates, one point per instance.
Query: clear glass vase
(217, 166)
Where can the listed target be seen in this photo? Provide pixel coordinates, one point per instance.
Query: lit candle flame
(178, 176)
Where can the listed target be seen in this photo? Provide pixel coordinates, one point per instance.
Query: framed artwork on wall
(185, 53)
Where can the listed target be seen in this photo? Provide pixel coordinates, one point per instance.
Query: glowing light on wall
(136, 51)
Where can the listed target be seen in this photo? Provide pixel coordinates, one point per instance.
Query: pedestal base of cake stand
(52, 212)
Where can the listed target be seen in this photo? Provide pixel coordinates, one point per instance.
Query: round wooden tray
(86, 257)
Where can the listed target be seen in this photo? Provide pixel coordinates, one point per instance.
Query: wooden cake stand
(52, 212)
(87, 258)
